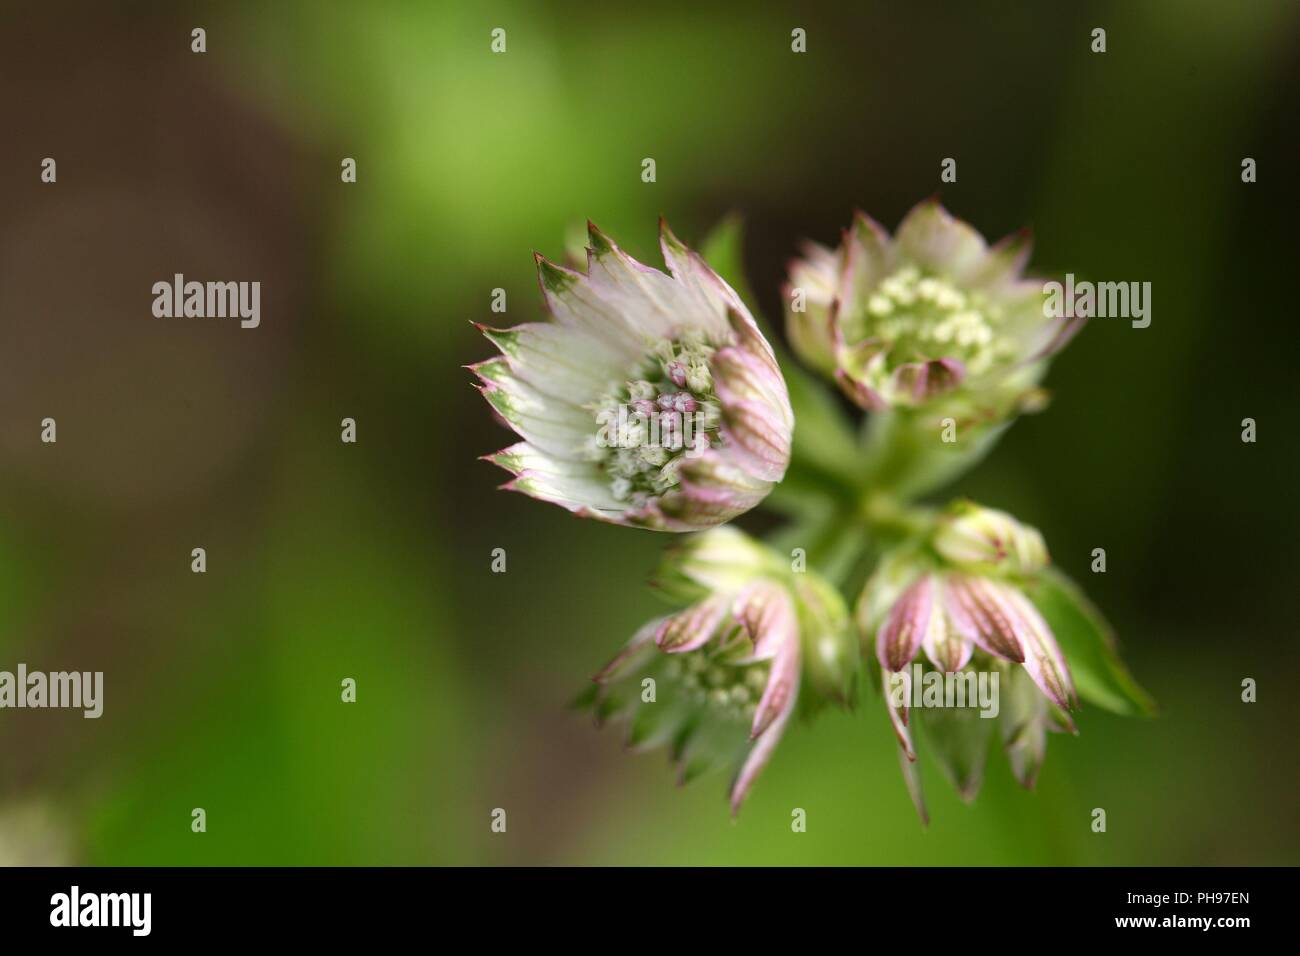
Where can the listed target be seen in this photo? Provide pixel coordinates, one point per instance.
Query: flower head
(649, 399)
(718, 681)
(928, 313)
(959, 602)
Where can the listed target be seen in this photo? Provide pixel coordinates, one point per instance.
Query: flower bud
(981, 538)
(931, 313)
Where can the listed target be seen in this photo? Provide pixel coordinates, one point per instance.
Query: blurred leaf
(959, 739)
(723, 250)
(1023, 725)
(829, 643)
(1089, 645)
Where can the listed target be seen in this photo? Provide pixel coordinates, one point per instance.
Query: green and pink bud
(718, 681)
(957, 602)
(983, 539)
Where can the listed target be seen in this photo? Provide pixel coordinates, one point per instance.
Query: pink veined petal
(750, 339)
(782, 687)
(766, 612)
(944, 645)
(1044, 661)
(641, 640)
(899, 684)
(691, 629)
(922, 381)
(714, 488)
(856, 362)
(758, 756)
(766, 740)
(980, 610)
(764, 609)
(900, 634)
(758, 425)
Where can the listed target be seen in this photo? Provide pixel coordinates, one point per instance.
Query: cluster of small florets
(665, 414)
(728, 687)
(920, 316)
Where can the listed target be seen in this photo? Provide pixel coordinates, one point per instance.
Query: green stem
(890, 521)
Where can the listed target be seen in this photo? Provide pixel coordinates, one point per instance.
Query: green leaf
(723, 250)
(1089, 645)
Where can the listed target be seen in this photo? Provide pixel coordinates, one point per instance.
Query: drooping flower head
(960, 601)
(931, 312)
(648, 399)
(717, 682)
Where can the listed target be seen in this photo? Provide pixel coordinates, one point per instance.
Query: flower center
(665, 414)
(921, 317)
(729, 689)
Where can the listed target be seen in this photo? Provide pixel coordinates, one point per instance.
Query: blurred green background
(371, 561)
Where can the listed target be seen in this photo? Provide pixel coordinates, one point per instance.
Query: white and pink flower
(679, 354)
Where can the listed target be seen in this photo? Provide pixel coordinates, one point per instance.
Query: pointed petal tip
(1024, 236)
(737, 799)
(599, 243)
(669, 238)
